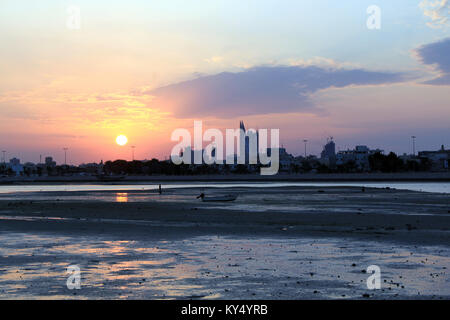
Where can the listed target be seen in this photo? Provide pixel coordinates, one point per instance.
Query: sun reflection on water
(122, 197)
(34, 266)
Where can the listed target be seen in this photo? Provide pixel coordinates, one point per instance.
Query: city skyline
(144, 69)
(302, 153)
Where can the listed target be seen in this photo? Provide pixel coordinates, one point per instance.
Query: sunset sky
(144, 68)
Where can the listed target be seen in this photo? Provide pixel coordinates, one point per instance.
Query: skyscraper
(329, 152)
(250, 136)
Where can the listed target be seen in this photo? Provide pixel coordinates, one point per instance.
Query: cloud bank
(437, 55)
(260, 90)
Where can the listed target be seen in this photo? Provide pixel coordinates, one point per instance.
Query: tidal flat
(271, 243)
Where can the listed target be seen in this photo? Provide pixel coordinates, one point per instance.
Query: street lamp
(305, 141)
(132, 152)
(65, 156)
(414, 144)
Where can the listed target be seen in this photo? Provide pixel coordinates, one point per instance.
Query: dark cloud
(437, 54)
(260, 90)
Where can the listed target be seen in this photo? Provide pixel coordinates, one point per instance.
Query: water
(133, 265)
(435, 187)
(34, 266)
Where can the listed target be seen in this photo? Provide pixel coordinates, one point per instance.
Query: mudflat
(261, 238)
(380, 213)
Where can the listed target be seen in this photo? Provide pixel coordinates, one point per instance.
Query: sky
(312, 69)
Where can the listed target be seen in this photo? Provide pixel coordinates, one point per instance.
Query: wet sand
(287, 243)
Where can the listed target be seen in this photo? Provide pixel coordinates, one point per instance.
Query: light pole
(305, 141)
(65, 156)
(132, 152)
(414, 144)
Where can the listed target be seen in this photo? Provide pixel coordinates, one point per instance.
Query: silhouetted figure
(201, 196)
(363, 189)
(160, 189)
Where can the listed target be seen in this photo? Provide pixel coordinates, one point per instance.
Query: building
(30, 168)
(194, 154)
(92, 168)
(439, 159)
(328, 155)
(358, 156)
(49, 162)
(15, 166)
(286, 160)
(252, 136)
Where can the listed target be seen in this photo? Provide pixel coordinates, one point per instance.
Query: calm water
(439, 187)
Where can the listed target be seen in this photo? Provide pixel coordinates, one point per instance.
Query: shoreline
(337, 177)
(172, 186)
(383, 214)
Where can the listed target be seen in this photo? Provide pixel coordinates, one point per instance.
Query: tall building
(248, 139)
(328, 155)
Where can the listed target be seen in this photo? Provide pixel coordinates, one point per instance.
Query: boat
(224, 198)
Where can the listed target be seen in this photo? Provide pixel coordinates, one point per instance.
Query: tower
(329, 151)
(250, 136)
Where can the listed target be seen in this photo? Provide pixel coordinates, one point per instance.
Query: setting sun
(121, 140)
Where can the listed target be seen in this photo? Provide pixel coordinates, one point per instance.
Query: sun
(121, 140)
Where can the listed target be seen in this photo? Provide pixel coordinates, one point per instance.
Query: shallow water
(34, 266)
(439, 187)
(252, 200)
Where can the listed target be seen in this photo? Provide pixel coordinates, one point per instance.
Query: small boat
(225, 198)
